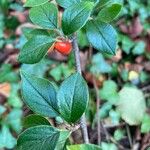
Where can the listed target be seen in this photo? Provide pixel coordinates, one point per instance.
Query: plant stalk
(78, 67)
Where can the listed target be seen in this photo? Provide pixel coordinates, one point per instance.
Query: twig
(97, 110)
(78, 67)
(129, 136)
(110, 138)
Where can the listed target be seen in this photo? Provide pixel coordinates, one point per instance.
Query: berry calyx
(64, 47)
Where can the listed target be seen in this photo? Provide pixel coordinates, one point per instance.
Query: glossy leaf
(64, 135)
(72, 98)
(102, 36)
(68, 3)
(33, 3)
(108, 14)
(38, 138)
(83, 147)
(39, 94)
(34, 120)
(45, 16)
(30, 32)
(76, 16)
(35, 49)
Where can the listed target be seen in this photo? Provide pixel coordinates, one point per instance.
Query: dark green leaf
(34, 120)
(45, 16)
(62, 140)
(72, 98)
(83, 147)
(102, 36)
(38, 138)
(39, 94)
(30, 32)
(35, 49)
(108, 14)
(68, 3)
(103, 3)
(33, 3)
(76, 16)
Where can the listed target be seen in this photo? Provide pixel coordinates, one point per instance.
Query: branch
(78, 67)
(97, 110)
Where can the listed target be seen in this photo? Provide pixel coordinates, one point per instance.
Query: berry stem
(78, 67)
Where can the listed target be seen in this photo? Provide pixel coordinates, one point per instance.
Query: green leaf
(2, 109)
(35, 49)
(99, 65)
(145, 127)
(68, 3)
(39, 94)
(34, 120)
(107, 14)
(7, 74)
(119, 134)
(14, 120)
(14, 97)
(76, 16)
(83, 147)
(108, 146)
(38, 138)
(33, 3)
(103, 2)
(45, 16)
(131, 105)
(30, 32)
(114, 116)
(62, 140)
(139, 48)
(109, 91)
(6, 139)
(127, 43)
(102, 36)
(72, 98)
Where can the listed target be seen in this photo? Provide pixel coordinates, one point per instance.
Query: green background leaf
(6, 138)
(131, 105)
(83, 147)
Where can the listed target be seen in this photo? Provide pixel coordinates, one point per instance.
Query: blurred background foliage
(119, 85)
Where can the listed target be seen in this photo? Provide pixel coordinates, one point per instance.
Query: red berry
(64, 47)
